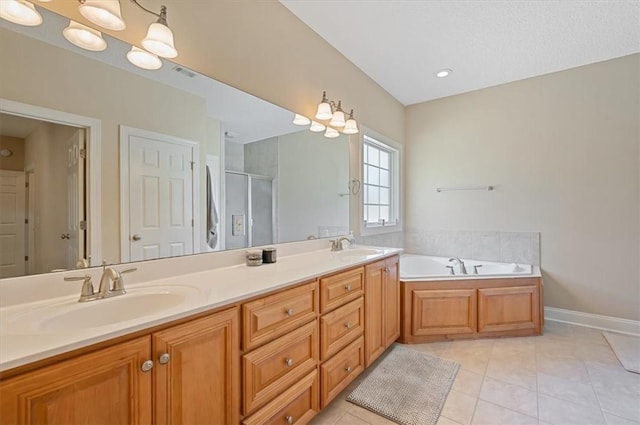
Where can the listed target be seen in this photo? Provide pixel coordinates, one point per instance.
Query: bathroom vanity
(306, 327)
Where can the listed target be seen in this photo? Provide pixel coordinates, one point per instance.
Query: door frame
(93, 140)
(125, 231)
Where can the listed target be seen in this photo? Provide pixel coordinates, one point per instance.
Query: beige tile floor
(567, 376)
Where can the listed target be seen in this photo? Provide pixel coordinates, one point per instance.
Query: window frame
(371, 137)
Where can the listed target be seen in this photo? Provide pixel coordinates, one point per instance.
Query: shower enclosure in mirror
(82, 204)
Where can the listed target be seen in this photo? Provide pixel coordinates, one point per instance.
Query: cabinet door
(374, 315)
(103, 387)
(199, 384)
(508, 309)
(443, 312)
(391, 297)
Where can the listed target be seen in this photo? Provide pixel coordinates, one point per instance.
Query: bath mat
(407, 387)
(626, 348)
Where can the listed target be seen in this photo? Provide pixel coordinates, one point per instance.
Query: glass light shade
(301, 120)
(351, 127)
(331, 133)
(159, 40)
(143, 59)
(105, 13)
(84, 37)
(324, 111)
(316, 127)
(337, 120)
(20, 12)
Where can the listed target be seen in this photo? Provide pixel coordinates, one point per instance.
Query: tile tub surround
(219, 286)
(503, 247)
(567, 376)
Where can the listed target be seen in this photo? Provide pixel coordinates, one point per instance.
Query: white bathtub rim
(535, 271)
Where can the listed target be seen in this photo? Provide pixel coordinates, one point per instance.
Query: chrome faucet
(463, 269)
(336, 244)
(111, 284)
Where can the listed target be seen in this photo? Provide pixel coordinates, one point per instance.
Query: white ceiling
(401, 44)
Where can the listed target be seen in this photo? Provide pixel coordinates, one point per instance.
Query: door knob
(136, 237)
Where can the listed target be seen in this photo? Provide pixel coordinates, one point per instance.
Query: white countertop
(24, 339)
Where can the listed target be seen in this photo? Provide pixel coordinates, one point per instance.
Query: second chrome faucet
(111, 284)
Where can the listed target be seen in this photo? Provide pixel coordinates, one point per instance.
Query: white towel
(212, 215)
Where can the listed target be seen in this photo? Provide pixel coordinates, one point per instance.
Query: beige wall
(15, 162)
(262, 48)
(72, 83)
(563, 152)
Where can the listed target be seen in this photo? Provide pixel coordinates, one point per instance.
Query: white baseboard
(596, 321)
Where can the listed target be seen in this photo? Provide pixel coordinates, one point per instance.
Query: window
(380, 185)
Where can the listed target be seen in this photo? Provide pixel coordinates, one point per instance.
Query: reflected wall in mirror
(136, 119)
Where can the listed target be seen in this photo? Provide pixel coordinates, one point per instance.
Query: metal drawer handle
(147, 366)
(289, 312)
(347, 369)
(288, 362)
(164, 358)
(288, 419)
(347, 325)
(347, 288)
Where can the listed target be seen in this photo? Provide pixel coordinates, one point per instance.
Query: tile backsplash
(505, 247)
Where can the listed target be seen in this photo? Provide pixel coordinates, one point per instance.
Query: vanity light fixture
(143, 59)
(20, 12)
(84, 37)
(107, 14)
(444, 73)
(316, 127)
(330, 110)
(331, 133)
(301, 120)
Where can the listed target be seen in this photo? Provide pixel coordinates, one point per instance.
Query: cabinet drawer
(297, 405)
(274, 367)
(272, 316)
(341, 370)
(341, 288)
(340, 327)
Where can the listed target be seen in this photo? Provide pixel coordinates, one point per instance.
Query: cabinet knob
(288, 419)
(386, 269)
(288, 362)
(347, 369)
(289, 312)
(347, 325)
(147, 366)
(347, 288)
(164, 358)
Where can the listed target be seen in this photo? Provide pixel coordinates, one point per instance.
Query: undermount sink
(72, 316)
(359, 252)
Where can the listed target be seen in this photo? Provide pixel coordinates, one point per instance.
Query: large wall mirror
(102, 161)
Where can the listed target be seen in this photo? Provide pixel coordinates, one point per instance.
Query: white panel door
(160, 199)
(12, 223)
(75, 236)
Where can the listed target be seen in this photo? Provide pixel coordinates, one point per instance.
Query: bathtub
(424, 268)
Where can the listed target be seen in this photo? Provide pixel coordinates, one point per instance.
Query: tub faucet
(463, 269)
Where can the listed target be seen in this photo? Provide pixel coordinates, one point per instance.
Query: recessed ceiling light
(443, 73)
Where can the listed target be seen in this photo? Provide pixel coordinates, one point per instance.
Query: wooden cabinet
(196, 383)
(439, 310)
(340, 288)
(382, 307)
(83, 390)
(508, 309)
(341, 370)
(274, 315)
(196, 372)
